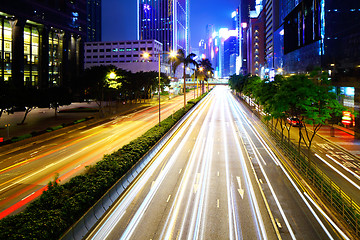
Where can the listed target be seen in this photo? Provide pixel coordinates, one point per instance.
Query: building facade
(41, 42)
(166, 21)
(256, 40)
(325, 34)
(127, 55)
(93, 21)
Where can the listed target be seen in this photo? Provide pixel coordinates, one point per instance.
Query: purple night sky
(119, 18)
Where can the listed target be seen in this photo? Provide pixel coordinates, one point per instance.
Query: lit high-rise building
(42, 42)
(166, 21)
(93, 21)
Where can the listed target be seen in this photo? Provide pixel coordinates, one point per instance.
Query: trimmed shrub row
(61, 206)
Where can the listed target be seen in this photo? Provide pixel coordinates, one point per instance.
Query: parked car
(294, 121)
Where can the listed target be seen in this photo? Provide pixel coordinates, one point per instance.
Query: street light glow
(173, 54)
(112, 75)
(146, 55)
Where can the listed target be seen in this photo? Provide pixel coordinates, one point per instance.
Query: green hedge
(22, 137)
(61, 206)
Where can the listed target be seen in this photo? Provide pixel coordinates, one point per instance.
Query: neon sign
(147, 7)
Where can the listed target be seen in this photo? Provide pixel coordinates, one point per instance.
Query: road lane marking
(343, 166)
(327, 218)
(340, 173)
(240, 189)
(218, 173)
(180, 170)
(27, 196)
(218, 203)
(196, 184)
(168, 199)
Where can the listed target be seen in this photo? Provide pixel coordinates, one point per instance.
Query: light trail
(249, 188)
(110, 223)
(243, 129)
(300, 194)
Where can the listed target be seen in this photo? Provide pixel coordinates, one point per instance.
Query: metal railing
(314, 176)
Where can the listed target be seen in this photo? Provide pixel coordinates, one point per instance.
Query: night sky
(119, 18)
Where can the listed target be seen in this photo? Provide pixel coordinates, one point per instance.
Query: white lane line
(218, 173)
(168, 199)
(218, 203)
(27, 196)
(180, 170)
(351, 172)
(340, 173)
(327, 217)
(270, 187)
(307, 203)
(230, 203)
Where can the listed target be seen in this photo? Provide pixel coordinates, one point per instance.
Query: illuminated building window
(5, 54)
(55, 56)
(31, 55)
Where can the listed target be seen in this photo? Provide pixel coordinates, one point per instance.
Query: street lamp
(147, 55)
(112, 75)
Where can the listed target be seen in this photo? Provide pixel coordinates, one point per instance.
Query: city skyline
(119, 18)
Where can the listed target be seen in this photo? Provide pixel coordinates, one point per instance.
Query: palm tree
(208, 71)
(185, 60)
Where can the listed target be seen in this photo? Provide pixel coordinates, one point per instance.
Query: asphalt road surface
(217, 178)
(25, 171)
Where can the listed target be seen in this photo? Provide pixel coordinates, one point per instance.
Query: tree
(237, 82)
(208, 70)
(98, 82)
(320, 106)
(28, 98)
(55, 97)
(185, 60)
(266, 92)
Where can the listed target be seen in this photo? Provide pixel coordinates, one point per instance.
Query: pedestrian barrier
(80, 229)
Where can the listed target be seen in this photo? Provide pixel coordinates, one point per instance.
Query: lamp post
(147, 55)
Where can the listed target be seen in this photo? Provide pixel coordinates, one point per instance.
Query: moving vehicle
(294, 121)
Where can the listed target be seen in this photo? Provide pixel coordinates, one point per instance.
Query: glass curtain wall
(5, 49)
(31, 55)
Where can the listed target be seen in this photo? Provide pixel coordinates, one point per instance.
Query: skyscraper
(93, 21)
(166, 21)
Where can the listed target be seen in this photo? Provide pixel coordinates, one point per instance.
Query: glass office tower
(166, 21)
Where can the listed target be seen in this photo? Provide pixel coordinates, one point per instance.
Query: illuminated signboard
(346, 118)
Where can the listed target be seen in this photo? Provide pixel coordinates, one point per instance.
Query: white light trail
(338, 172)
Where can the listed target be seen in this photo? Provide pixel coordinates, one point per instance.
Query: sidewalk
(40, 119)
(343, 137)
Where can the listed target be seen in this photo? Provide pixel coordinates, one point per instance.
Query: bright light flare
(112, 75)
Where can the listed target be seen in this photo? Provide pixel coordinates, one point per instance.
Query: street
(25, 171)
(217, 178)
